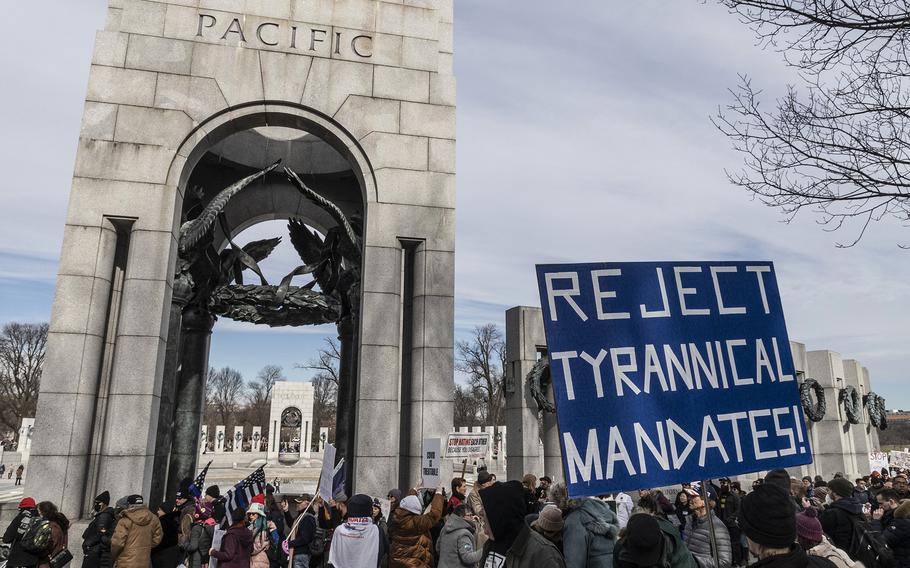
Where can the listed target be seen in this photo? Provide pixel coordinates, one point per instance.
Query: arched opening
(290, 436)
(253, 167)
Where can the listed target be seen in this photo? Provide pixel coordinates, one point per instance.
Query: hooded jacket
(589, 534)
(513, 539)
(836, 556)
(197, 549)
(897, 535)
(236, 548)
(409, 535)
(837, 521)
(455, 546)
(137, 532)
(677, 556)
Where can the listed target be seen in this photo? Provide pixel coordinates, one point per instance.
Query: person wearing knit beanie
(812, 539)
(842, 487)
(767, 517)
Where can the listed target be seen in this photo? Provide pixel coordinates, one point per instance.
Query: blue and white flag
(241, 495)
(664, 372)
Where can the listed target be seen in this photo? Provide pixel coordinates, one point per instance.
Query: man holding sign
(669, 372)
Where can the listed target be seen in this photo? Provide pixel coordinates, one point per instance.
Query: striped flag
(198, 485)
(242, 494)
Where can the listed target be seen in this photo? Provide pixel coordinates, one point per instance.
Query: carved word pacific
(321, 41)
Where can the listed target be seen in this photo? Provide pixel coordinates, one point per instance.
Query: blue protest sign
(667, 372)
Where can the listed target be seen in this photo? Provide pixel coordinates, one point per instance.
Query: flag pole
(704, 497)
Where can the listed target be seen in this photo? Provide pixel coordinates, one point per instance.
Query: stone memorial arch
(206, 117)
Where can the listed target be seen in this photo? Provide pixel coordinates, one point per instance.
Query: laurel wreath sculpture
(814, 411)
(875, 408)
(852, 405)
(538, 382)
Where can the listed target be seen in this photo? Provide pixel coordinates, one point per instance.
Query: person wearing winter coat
(455, 547)
(168, 553)
(897, 535)
(589, 533)
(96, 539)
(302, 531)
(549, 524)
(698, 536)
(358, 542)
(16, 530)
(236, 545)
(138, 531)
(651, 541)
(512, 543)
(201, 535)
(768, 519)
(409, 532)
(475, 505)
(59, 532)
(812, 539)
(262, 538)
(837, 520)
(727, 509)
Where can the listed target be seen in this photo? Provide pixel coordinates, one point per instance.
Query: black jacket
(728, 508)
(897, 535)
(96, 540)
(797, 558)
(837, 521)
(13, 534)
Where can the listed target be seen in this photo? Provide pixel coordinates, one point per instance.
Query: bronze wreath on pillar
(875, 408)
(850, 399)
(815, 412)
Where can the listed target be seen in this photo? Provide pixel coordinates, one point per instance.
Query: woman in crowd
(409, 532)
(589, 532)
(262, 538)
(59, 528)
(550, 524)
(201, 534)
(237, 544)
(681, 519)
(809, 535)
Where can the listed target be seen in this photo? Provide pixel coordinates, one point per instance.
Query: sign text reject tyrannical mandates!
(665, 372)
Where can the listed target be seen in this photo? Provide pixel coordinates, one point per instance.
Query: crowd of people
(782, 522)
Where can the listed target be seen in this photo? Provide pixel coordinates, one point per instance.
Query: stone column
(552, 452)
(524, 336)
(190, 396)
(854, 376)
(830, 436)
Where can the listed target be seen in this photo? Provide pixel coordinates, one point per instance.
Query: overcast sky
(583, 135)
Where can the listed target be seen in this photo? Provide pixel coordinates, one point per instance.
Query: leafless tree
(325, 386)
(840, 144)
(22, 351)
(259, 395)
(482, 360)
(468, 407)
(224, 392)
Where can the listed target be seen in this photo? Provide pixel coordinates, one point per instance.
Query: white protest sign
(900, 460)
(217, 537)
(878, 461)
(328, 469)
(467, 446)
(429, 461)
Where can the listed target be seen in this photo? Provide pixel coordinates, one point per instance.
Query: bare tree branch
(22, 352)
(841, 147)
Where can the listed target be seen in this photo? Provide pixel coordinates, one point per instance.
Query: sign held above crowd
(668, 372)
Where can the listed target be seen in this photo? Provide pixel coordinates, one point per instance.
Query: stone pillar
(524, 341)
(801, 364)
(552, 451)
(345, 426)
(862, 444)
(323, 438)
(219, 439)
(190, 397)
(831, 439)
(203, 439)
(237, 439)
(256, 439)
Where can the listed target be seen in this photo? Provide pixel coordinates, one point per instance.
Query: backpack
(869, 547)
(317, 545)
(37, 538)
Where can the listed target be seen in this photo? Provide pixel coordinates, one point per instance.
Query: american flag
(198, 485)
(242, 494)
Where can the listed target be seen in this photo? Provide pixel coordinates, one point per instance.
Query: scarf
(355, 544)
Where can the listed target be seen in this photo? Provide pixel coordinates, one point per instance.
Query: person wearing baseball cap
(138, 531)
(96, 543)
(698, 537)
(28, 510)
(842, 512)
